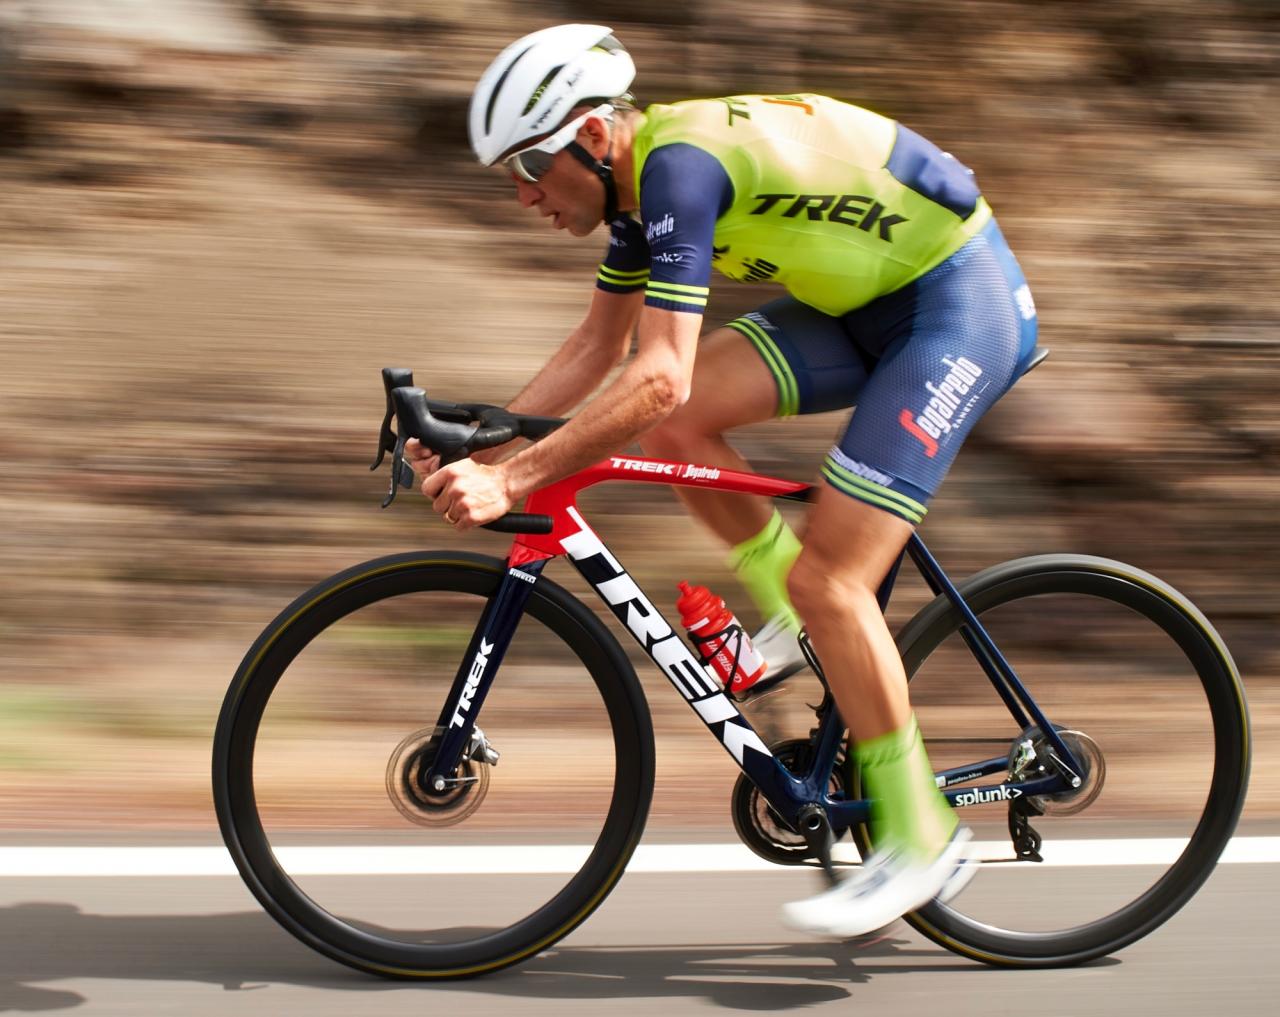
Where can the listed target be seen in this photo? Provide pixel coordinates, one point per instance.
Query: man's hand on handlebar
(420, 459)
(465, 493)
(468, 492)
(424, 462)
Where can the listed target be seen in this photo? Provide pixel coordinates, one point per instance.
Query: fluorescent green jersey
(838, 204)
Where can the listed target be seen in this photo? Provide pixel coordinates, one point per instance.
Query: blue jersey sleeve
(625, 268)
(683, 191)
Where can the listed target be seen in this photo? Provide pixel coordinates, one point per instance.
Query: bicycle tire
(1161, 604)
(331, 600)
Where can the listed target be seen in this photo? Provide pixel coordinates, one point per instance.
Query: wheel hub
(406, 783)
(1032, 756)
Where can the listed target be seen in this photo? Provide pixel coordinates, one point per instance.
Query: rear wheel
(329, 723)
(1148, 699)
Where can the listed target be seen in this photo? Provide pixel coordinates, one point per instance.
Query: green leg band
(762, 563)
(908, 812)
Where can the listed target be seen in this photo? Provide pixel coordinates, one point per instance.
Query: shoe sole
(962, 871)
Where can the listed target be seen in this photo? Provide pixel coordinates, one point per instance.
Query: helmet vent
(537, 92)
(497, 89)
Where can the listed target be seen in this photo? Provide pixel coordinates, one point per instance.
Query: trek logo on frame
(695, 683)
(473, 682)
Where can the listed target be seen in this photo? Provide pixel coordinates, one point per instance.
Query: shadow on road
(54, 942)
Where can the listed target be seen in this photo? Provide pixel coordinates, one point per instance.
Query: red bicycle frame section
(559, 501)
(787, 792)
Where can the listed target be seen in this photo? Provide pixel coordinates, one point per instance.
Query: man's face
(569, 194)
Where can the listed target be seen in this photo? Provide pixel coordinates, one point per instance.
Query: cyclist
(903, 298)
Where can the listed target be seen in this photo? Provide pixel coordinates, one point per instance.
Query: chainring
(455, 803)
(760, 827)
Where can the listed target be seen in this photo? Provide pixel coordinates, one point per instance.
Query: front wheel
(330, 721)
(1156, 713)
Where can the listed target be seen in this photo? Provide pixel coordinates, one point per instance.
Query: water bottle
(720, 639)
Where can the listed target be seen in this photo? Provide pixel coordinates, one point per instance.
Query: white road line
(363, 860)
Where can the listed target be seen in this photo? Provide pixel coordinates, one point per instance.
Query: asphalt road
(664, 943)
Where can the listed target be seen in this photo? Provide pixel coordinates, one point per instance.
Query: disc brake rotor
(410, 761)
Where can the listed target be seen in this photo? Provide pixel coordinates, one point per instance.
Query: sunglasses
(533, 163)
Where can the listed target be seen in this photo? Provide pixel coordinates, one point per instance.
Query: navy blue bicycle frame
(786, 792)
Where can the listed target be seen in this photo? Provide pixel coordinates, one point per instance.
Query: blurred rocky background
(220, 218)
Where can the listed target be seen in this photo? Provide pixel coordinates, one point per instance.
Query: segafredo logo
(473, 682)
(943, 413)
(996, 794)
(665, 225)
(688, 470)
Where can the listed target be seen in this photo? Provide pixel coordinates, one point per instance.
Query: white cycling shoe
(778, 642)
(890, 885)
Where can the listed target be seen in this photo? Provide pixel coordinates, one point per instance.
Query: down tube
(699, 688)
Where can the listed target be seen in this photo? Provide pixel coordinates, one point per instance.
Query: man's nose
(528, 194)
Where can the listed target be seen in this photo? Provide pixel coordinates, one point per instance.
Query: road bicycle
(353, 720)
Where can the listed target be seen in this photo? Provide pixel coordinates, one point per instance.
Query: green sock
(908, 811)
(762, 563)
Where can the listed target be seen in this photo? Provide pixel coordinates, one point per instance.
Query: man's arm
(574, 371)
(654, 383)
(683, 190)
(603, 339)
(590, 352)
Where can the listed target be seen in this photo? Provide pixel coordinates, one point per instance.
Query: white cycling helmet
(536, 80)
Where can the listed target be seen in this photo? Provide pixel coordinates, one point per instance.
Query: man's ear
(593, 135)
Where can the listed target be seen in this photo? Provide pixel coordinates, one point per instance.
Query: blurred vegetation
(220, 218)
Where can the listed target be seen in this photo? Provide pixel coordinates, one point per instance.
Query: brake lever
(388, 440)
(397, 464)
(402, 474)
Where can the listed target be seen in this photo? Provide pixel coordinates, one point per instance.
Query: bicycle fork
(475, 674)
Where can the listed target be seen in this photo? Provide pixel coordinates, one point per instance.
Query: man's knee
(807, 586)
(821, 595)
(671, 437)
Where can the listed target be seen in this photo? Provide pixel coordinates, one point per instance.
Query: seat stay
(998, 670)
